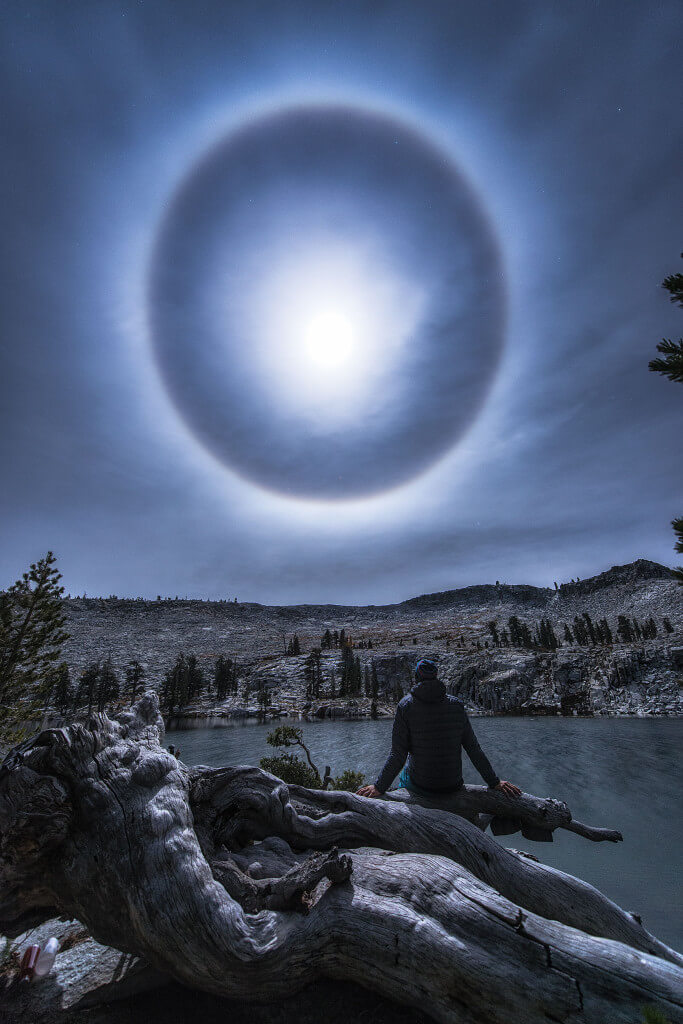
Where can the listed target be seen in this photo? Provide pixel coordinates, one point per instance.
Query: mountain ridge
(631, 572)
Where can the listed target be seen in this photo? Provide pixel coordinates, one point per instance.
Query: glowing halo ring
(329, 163)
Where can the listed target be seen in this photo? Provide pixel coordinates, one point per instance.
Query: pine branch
(672, 365)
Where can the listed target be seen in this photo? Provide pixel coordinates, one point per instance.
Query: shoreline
(221, 721)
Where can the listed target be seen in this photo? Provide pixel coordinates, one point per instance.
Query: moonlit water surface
(618, 773)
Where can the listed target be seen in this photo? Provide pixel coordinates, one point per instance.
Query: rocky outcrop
(452, 627)
(572, 680)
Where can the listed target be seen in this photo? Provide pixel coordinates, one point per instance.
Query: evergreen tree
(347, 680)
(31, 636)
(263, 701)
(374, 681)
(87, 686)
(589, 627)
(624, 629)
(514, 626)
(668, 628)
(294, 646)
(135, 675)
(367, 681)
(174, 689)
(568, 635)
(357, 676)
(493, 630)
(678, 530)
(580, 631)
(312, 673)
(607, 637)
(224, 677)
(546, 635)
(526, 637)
(108, 688)
(195, 679)
(671, 366)
(637, 630)
(61, 691)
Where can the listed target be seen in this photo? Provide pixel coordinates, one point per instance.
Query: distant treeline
(583, 631)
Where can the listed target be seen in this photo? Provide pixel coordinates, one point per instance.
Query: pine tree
(312, 673)
(61, 691)
(624, 629)
(580, 631)
(671, 366)
(374, 681)
(174, 689)
(493, 630)
(87, 686)
(31, 636)
(607, 637)
(223, 676)
(357, 676)
(195, 678)
(135, 674)
(107, 689)
(514, 626)
(668, 628)
(367, 681)
(590, 627)
(568, 635)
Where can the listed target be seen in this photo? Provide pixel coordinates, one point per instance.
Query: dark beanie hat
(426, 669)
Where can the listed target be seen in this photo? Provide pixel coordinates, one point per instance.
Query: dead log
(100, 823)
(507, 815)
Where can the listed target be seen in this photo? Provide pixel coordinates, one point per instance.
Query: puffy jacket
(430, 729)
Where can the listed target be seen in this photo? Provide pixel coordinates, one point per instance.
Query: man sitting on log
(430, 728)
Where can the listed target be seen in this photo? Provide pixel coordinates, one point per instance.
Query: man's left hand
(508, 788)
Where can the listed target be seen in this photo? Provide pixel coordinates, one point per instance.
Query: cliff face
(626, 680)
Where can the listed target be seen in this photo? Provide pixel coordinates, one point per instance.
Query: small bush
(348, 780)
(291, 769)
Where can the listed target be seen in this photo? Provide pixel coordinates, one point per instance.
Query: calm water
(618, 773)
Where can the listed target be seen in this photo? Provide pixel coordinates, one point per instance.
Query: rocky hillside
(642, 676)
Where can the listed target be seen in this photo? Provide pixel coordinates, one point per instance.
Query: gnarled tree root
(98, 822)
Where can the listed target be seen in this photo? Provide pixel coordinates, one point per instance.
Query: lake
(615, 772)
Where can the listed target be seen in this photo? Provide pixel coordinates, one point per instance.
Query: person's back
(430, 729)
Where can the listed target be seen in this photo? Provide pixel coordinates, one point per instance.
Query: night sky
(337, 301)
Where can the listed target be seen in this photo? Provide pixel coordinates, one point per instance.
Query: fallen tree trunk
(214, 877)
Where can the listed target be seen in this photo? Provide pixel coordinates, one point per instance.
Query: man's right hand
(508, 788)
(369, 791)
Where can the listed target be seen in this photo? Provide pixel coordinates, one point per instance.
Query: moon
(326, 301)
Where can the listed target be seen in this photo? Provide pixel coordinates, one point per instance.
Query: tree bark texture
(234, 883)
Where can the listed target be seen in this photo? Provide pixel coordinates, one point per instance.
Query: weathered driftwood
(535, 817)
(100, 823)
